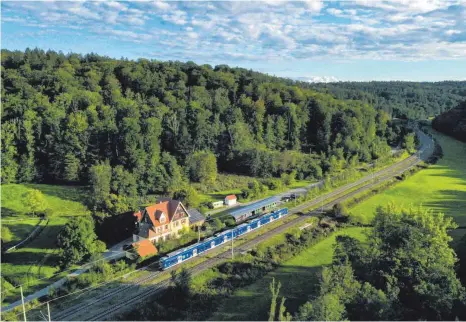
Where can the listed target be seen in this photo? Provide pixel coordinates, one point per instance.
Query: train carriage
(254, 224)
(184, 254)
(241, 229)
(264, 220)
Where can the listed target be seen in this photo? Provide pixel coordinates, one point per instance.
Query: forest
(414, 100)
(131, 128)
(452, 122)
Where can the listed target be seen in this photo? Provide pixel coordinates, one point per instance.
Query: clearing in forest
(38, 258)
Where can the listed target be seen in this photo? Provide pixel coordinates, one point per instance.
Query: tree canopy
(131, 128)
(406, 271)
(452, 122)
(78, 241)
(415, 100)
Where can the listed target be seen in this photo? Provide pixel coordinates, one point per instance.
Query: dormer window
(162, 218)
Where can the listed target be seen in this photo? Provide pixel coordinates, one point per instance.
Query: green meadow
(298, 277)
(31, 264)
(441, 187)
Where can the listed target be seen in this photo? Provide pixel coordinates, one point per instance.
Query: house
(195, 218)
(160, 221)
(144, 248)
(216, 204)
(230, 200)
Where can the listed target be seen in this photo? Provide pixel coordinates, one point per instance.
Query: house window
(166, 226)
(183, 221)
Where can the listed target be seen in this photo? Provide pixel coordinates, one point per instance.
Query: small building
(195, 218)
(216, 204)
(255, 208)
(230, 200)
(160, 221)
(144, 248)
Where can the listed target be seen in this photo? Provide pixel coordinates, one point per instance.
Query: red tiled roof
(138, 215)
(230, 197)
(155, 212)
(145, 248)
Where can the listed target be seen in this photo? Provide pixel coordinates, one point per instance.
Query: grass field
(227, 184)
(298, 277)
(441, 187)
(38, 258)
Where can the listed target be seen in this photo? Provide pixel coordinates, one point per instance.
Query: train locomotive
(181, 255)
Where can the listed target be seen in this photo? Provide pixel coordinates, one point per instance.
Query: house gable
(180, 212)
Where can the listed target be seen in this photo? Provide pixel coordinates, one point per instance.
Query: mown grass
(61, 200)
(441, 187)
(38, 258)
(227, 184)
(298, 276)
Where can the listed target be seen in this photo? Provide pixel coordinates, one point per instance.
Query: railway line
(90, 310)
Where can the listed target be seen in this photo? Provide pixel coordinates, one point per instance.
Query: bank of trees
(131, 128)
(406, 271)
(452, 122)
(415, 100)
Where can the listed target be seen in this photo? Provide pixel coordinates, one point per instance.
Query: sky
(416, 40)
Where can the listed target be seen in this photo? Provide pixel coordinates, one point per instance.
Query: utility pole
(22, 301)
(48, 309)
(232, 255)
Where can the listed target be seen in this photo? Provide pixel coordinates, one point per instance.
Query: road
(114, 300)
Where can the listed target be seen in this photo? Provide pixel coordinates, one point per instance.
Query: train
(181, 255)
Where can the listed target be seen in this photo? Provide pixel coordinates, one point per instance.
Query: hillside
(452, 122)
(416, 100)
(132, 128)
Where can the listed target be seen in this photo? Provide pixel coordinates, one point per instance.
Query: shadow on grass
(252, 302)
(452, 203)
(71, 193)
(7, 212)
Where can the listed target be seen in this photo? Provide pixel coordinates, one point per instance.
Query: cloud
(261, 30)
(162, 5)
(318, 79)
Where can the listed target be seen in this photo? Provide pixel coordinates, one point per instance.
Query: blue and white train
(186, 253)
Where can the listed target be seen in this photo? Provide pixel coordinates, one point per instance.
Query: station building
(256, 208)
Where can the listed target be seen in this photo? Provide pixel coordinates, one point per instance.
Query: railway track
(337, 195)
(367, 183)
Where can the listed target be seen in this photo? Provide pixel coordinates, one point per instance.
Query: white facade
(217, 204)
(230, 202)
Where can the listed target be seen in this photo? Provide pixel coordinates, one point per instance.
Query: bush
(274, 184)
(339, 210)
(230, 222)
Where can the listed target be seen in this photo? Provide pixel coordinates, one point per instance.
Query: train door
(212, 244)
(180, 259)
